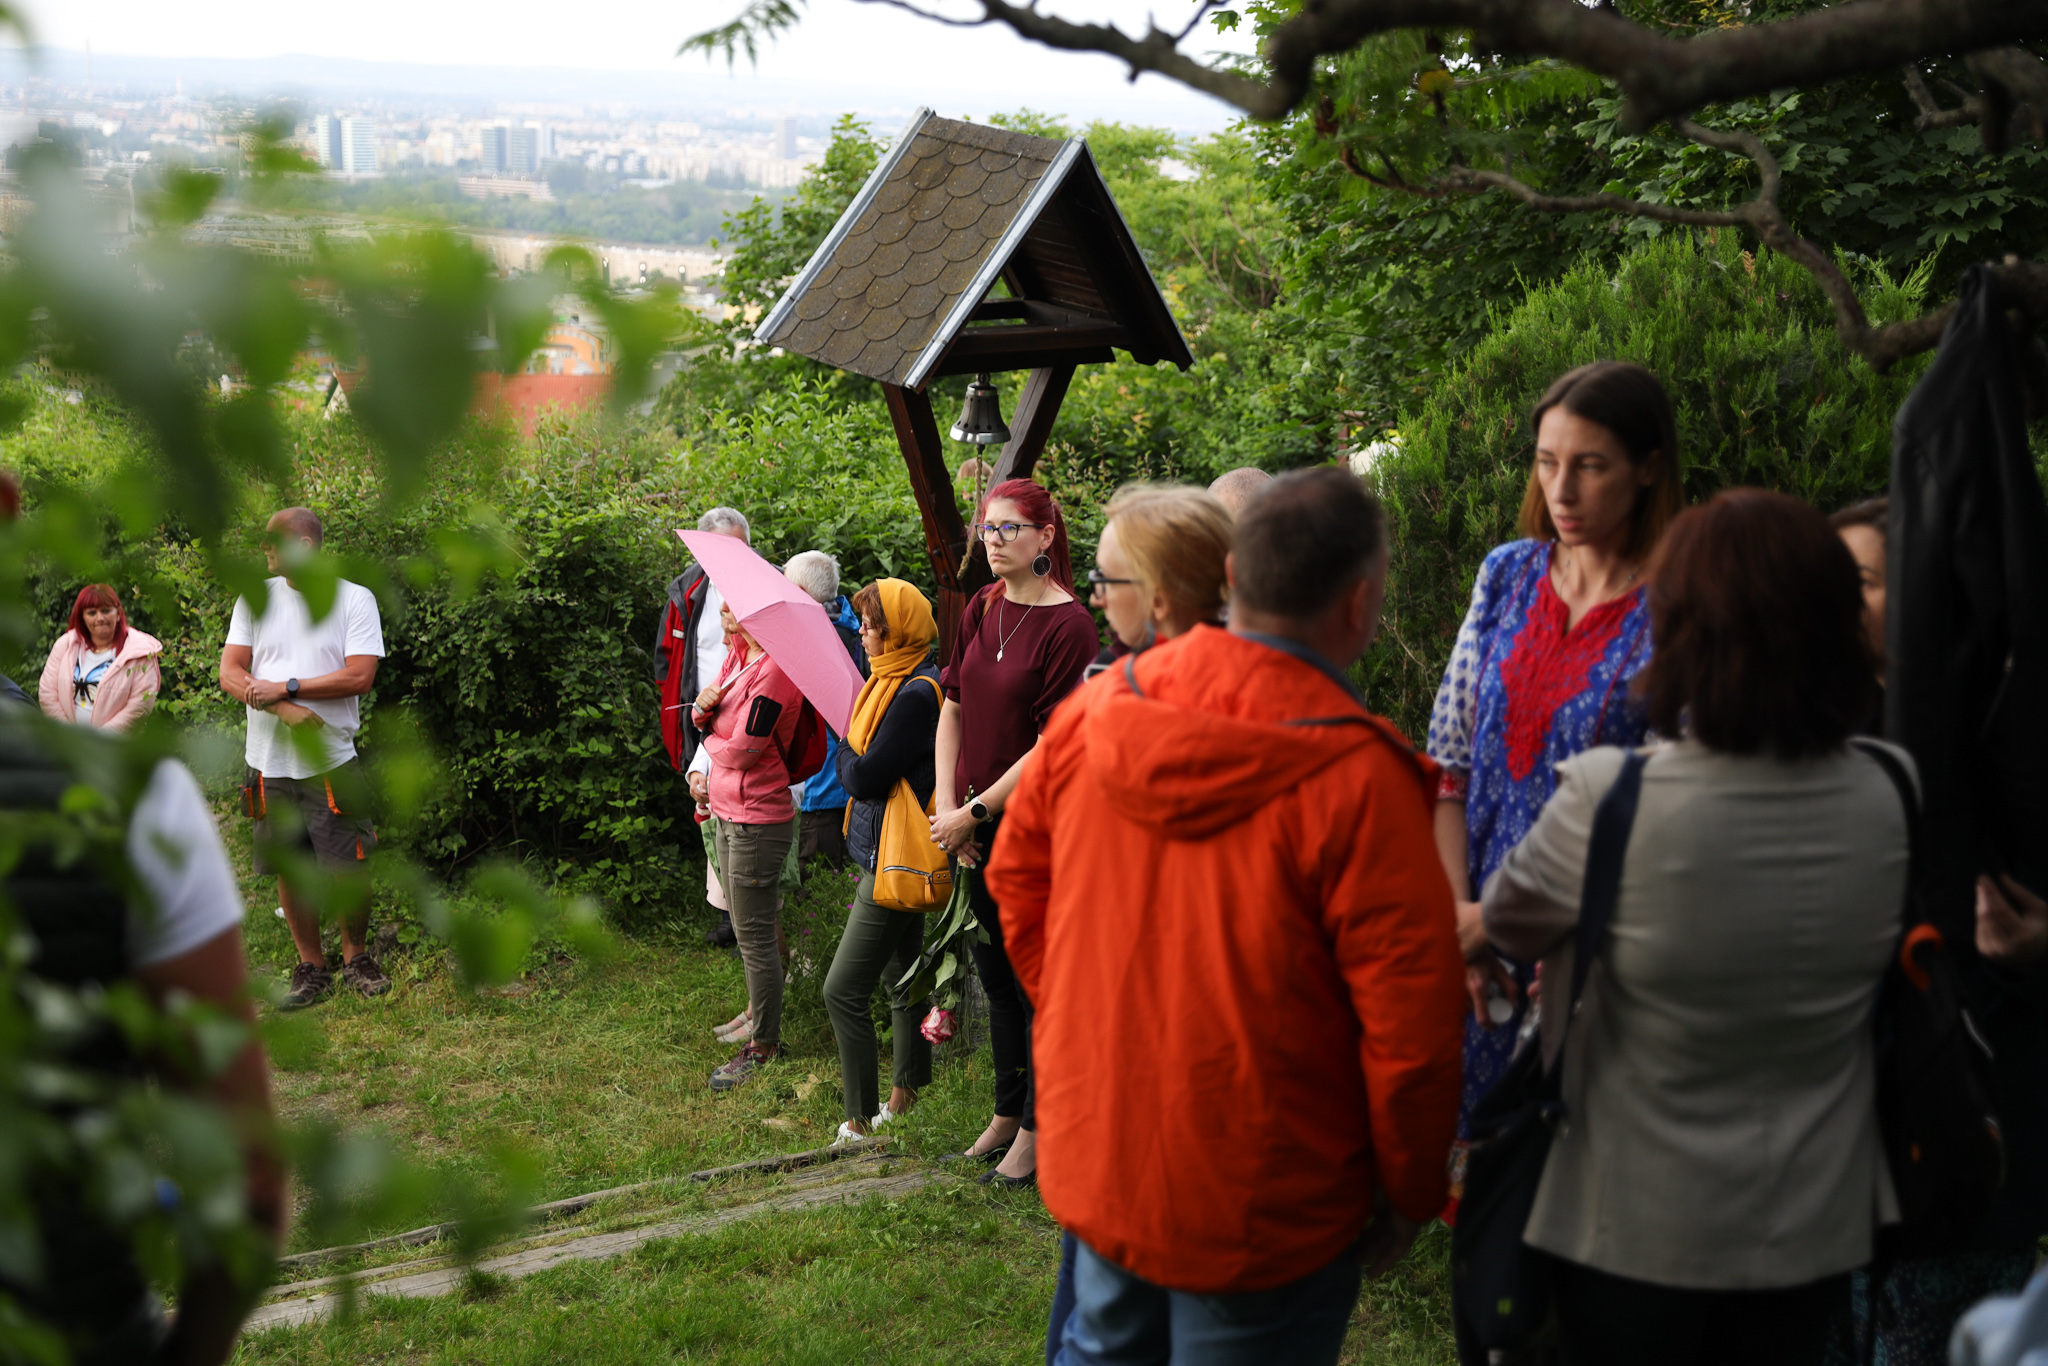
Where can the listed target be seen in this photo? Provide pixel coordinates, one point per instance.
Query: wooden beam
(1038, 403)
(1021, 358)
(1031, 422)
(945, 535)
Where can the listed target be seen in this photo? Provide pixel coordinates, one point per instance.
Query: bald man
(302, 682)
(1236, 488)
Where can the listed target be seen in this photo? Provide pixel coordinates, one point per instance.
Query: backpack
(1935, 1107)
(807, 745)
(809, 742)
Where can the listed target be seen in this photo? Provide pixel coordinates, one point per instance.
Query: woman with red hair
(102, 672)
(1023, 644)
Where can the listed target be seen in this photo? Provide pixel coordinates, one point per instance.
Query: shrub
(1765, 395)
(527, 672)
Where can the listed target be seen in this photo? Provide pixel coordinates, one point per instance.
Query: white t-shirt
(92, 666)
(710, 647)
(286, 644)
(175, 850)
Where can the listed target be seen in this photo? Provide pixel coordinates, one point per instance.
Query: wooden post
(1031, 421)
(1030, 427)
(945, 535)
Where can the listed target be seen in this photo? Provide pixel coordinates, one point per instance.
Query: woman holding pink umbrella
(748, 718)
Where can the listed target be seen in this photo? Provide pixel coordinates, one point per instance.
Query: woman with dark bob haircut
(1541, 668)
(1722, 1174)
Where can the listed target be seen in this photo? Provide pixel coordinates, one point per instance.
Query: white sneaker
(847, 1134)
(883, 1118)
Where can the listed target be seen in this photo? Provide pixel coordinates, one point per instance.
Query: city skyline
(844, 57)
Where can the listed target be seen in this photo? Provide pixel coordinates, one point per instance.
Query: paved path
(311, 1301)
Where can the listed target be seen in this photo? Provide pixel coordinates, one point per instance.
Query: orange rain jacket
(1222, 894)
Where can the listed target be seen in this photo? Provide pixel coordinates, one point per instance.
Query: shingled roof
(898, 289)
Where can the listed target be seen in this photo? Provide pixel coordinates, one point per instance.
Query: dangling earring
(1042, 565)
(1150, 638)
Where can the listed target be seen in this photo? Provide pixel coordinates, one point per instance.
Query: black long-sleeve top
(901, 748)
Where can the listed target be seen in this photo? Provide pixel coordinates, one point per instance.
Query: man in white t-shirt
(302, 681)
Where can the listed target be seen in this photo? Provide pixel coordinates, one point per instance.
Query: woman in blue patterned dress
(1541, 670)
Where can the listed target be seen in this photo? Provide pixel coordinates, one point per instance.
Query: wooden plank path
(841, 1184)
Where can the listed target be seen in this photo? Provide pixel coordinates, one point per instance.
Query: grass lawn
(597, 1074)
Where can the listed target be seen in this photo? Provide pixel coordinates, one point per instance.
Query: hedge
(1765, 396)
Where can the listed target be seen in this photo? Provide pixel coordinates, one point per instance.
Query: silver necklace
(1003, 638)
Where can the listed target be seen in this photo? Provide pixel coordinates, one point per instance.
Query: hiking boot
(743, 1066)
(722, 935)
(310, 982)
(362, 973)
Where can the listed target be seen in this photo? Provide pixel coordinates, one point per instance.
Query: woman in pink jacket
(102, 672)
(748, 719)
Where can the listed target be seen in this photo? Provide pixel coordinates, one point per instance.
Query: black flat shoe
(1009, 1183)
(992, 1156)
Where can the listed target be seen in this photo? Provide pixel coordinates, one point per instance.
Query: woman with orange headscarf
(889, 741)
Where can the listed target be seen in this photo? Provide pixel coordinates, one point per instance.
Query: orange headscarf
(912, 628)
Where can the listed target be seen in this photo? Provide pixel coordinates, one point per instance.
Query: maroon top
(1005, 703)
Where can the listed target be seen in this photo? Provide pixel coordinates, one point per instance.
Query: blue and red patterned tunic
(1521, 694)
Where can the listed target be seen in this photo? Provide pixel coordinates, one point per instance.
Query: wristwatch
(978, 809)
(291, 688)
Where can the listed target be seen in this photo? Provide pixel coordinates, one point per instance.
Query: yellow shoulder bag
(911, 873)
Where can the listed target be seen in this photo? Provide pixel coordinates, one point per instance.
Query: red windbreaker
(1222, 894)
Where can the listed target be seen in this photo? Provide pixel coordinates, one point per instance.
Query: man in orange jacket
(1219, 888)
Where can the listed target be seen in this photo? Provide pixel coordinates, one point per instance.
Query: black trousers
(1009, 1012)
(1609, 1320)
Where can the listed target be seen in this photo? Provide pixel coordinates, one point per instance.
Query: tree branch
(2015, 91)
(921, 13)
(1660, 77)
(1932, 115)
(1882, 346)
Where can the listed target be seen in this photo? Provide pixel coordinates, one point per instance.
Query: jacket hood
(137, 645)
(679, 586)
(843, 615)
(1217, 726)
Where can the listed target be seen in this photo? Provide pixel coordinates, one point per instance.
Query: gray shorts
(326, 815)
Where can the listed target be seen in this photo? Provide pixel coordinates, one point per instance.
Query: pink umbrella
(787, 621)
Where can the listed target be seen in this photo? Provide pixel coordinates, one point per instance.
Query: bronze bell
(981, 416)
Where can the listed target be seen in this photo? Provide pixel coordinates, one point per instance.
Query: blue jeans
(1122, 1320)
(1062, 1299)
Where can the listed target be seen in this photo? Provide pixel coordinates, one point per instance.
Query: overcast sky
(841, 42)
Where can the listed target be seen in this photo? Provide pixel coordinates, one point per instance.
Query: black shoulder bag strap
(1613, 822)
(1500, 1289)
(1908, 798)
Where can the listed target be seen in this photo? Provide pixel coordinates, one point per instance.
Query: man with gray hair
(1236, 488)
(689, 650)
(823, 801)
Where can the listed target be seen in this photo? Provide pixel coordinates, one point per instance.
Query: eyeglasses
(1097, 580)
(1005, 532)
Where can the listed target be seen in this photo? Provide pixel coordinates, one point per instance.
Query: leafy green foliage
(164, 498)
(518, 634)
(1396, 278)
(1765, 395)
